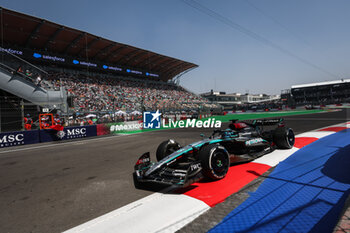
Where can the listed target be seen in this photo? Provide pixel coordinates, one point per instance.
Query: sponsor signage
(58, 59)
(192, 123)
(12, 51)
(133, 71)
(123, 127)
(114, 68)
(48, 57)
(77, 132)
(254, 141)
(48, 135)
(18, 138)
(152, 75)
(84, 63)
(151, 120)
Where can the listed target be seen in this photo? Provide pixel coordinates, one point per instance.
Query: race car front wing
(181, 176)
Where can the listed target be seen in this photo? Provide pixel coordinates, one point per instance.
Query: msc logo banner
(19, 138)
(151, 120)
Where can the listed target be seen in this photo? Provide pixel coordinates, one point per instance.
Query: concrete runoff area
(56, 186)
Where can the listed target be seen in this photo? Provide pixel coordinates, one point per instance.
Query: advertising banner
(41, 56)
(19, 138)
(48, 135)
(102, 129)
(124, 127)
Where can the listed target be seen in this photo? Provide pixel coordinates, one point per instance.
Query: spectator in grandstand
(97, 94)
(81, 122)
(29, 74)
(57, 120)
(19, 69)
(38, 80)
(90, 122)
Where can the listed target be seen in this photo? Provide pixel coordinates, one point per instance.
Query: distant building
(226, 100)
(287, 98)
(322, 93)
(234, 99)
(258, 98)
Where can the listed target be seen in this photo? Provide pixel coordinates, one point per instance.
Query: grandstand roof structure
(334, 82)
(25, 31)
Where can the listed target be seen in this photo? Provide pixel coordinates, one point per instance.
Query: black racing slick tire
(284, 138)
(166, 148)
(215, 161)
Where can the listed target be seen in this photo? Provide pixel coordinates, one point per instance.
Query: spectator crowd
(102, 94)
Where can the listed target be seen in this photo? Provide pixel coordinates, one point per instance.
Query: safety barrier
(120, 127)
(16, 138)
(9, 139)
(48, 135)
(19, 138)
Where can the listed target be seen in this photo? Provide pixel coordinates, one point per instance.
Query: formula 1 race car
(211, 157)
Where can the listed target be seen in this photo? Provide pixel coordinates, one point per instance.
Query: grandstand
(103, 94)
(322, 93)
(75, 73)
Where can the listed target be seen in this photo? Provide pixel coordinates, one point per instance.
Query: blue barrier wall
(19, 138)
(46, 135)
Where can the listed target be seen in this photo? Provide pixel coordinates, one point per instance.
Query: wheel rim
(219, 163)
(290, 137)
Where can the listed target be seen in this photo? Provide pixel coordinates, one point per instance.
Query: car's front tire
(215, 161)
(166, 148)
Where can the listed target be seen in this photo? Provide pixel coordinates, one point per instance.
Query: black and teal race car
(211, 157)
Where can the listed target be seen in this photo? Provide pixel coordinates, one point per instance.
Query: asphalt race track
(53, 187)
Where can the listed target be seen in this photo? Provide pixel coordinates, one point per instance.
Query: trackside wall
(16, 138)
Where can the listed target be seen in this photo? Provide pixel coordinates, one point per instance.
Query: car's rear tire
(215, 161)
(166, 148)
(284, 138)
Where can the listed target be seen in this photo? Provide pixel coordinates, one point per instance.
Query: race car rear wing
(263, 122)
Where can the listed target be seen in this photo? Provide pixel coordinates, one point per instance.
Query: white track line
(275, 157)
(155, 213)
(316, 134)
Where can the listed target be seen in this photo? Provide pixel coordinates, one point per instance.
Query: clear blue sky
(315, 30)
